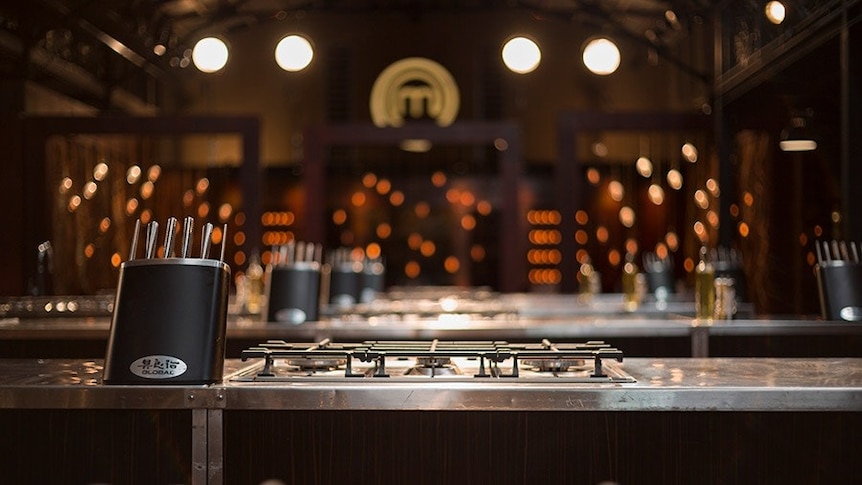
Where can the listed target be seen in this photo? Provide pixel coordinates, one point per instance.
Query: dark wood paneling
(328, 447)
(95, 446)
(13, 252)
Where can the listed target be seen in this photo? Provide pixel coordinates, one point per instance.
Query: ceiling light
(674, 179)
(797, 137)
(210, 54)
(644, 166)
(656, 194)
(616, 190)
(521, 55)
(627, 216)
(672, 19)
(293, 53)
(601, 56)
(600, 149)
(797, 145)
(775, 12)
(689, 152)
(415, 145)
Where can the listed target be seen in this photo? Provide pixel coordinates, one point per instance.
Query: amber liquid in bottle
(704, 289)
(631, 296)
(589, 282)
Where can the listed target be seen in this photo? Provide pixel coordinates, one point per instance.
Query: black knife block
(663, 278)
(372, 282)
(293, 292)
(839, 284)
(169, 322)
(345, 284)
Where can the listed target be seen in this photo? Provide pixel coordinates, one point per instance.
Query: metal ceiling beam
(107, 39)
(823, 25)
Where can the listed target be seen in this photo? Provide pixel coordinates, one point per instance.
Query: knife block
(345, 284)
(372, 282)
(169, 322)
(293, 292)
(839, 285)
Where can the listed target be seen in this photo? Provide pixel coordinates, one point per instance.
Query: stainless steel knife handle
(188, 228)
(134, 249)
(206, 240)
(170, 233)
(223, 242)
(152, 235)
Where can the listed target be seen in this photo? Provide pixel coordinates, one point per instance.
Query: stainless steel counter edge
(111, 397)
(773, 385)
(472, 397)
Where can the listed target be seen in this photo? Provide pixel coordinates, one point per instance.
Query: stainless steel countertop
(709, 384)
(453, 327)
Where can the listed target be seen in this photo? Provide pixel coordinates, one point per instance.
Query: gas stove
(435, 360)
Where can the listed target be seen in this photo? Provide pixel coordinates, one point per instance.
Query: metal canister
(725, 298)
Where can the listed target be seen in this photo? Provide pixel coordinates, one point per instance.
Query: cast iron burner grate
(434, 353)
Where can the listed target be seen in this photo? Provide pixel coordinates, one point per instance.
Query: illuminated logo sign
(414, 88)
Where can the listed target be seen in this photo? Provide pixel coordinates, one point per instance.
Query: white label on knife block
(851, 313)
(158, 367)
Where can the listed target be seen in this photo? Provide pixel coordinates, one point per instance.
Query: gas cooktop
(434, 360)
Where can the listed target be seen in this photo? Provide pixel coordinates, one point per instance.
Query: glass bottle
(631, 293)
(704, 288)
(254, 277)
(589, 282)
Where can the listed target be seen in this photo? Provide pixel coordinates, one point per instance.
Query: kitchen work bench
(779, 419)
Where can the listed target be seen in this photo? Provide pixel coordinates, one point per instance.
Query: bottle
(589, 282)
(725, 298)
(631, 293)
(254, 277)
(704, 288)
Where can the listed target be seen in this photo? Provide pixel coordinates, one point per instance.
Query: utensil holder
(345, 284)
(372, 282)
(660, 279)
(293, 292)
(169, 321)
(839, 284)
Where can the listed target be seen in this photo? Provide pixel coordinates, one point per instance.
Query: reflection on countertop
(678, 384)
(444, 315)
(665, 329)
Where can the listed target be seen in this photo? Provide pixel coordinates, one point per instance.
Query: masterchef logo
(414, 88)
(158, 367)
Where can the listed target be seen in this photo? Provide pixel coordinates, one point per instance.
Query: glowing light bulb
(210, 54)
(293, 53)
(601, 56)
(521, 55)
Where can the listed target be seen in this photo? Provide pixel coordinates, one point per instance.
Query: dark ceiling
(102, 44)
(136, 29)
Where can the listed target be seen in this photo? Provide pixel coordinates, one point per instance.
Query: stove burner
(312, 364)
(433, 366)
(433, 361)
(485, 359)
(555, 365)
